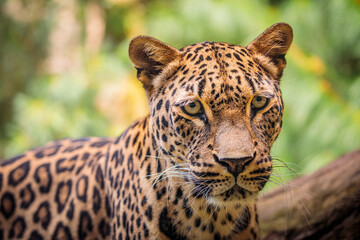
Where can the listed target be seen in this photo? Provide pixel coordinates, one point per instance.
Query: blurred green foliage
(92, 89)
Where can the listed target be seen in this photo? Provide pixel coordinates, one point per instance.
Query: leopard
(191, 169)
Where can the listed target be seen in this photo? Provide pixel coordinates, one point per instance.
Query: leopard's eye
(192, 108)
(259, 102)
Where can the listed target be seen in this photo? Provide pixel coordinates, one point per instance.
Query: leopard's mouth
(234, 195)
(220, 194)
(235, 190)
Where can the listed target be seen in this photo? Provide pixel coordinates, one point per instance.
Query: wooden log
(323, 205)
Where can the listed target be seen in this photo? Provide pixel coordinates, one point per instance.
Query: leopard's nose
(235, 165)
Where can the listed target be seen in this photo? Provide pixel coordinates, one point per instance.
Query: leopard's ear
(151, 57)
(271, 46)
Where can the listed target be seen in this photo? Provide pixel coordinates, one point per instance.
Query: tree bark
(323, 205)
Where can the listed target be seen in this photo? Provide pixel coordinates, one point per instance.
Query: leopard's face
(215, 120)
(216, 110)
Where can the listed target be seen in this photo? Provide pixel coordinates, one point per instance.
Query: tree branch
(323, 205)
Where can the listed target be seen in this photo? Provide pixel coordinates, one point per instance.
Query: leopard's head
(215, 110)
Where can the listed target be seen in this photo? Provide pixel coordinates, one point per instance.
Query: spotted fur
(172, 174)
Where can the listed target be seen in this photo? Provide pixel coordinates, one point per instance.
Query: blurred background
(65, 72)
